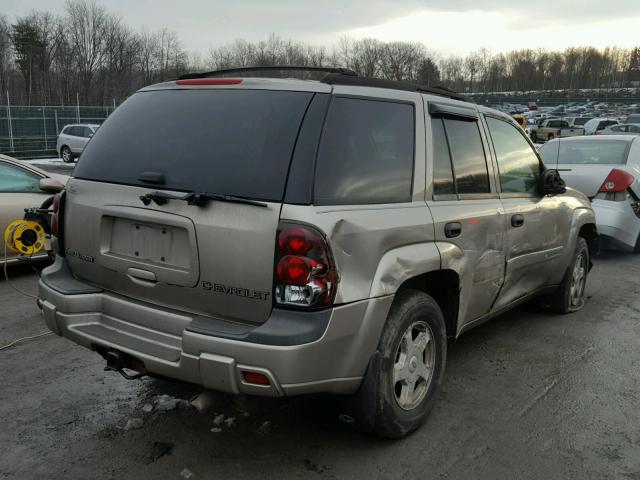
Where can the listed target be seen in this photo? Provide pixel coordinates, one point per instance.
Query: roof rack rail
(337, 76)
(228, 71)
(337, 79)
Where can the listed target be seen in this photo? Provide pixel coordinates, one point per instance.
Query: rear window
(585, 152)
(234, 142)
(366, 153)
(581, 121)
(606, 123)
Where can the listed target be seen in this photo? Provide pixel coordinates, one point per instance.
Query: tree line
(90, 56)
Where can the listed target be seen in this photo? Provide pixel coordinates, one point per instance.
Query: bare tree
(87, 26)
(45, 59)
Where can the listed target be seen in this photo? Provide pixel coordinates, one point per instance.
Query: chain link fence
(31, 132)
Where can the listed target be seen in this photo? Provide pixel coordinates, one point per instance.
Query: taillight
(305, 275)
(54, 216)
(617, 181)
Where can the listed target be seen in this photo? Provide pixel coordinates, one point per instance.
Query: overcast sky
(446, 26)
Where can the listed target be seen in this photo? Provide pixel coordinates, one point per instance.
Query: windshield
(596, 152)
(234, 142)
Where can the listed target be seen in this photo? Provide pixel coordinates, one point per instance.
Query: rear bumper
(294, 360)
(617, 224)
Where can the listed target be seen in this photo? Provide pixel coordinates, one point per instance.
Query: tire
(636, 248)
(408, 375)
(550, 137)
(534, 137)
(566, 299)
(66, 154)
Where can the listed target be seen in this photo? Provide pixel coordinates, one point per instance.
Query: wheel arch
(444, 287)
(420, 267)
(589, 232)
(584, 225)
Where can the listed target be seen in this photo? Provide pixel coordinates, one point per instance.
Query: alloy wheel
(413, 365)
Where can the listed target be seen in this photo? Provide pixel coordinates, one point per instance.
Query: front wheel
(413, 350)
(569, 297)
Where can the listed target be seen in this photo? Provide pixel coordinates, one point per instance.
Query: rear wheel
(66, 154)
(550, 137)
(413, 351)
(534, 137)
(570, 295)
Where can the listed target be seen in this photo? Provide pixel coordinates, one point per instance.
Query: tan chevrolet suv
(276, 237)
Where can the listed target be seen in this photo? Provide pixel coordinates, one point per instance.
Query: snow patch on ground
(49, 161)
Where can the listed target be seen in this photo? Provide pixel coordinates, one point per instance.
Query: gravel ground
(528, 395)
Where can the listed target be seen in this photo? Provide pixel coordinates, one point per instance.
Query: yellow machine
(521, 120)
(24, 236)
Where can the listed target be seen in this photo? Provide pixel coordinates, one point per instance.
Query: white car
(606, 169)
(22, 186)
(73, 139)
(623, 129)
(578, 121)
(595, 126)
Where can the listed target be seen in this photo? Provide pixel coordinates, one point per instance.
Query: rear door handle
(452, 229)
(517, 220)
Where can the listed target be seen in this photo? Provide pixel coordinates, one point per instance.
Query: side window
(366, 153)
(17, 180)
(467, 154)
(518, 164)
(553, 124)
(66, 130)
(86, 132)
(442, 170)
(73, 131)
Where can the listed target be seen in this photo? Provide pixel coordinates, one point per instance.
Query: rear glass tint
(235, 142)
(366, 153)
(585, 152)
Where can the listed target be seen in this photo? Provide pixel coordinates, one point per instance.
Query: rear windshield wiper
(199, 199)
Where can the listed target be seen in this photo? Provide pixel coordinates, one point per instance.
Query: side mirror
(551, 183)
(51, 185)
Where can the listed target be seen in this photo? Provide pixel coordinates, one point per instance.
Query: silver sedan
(606, 168)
